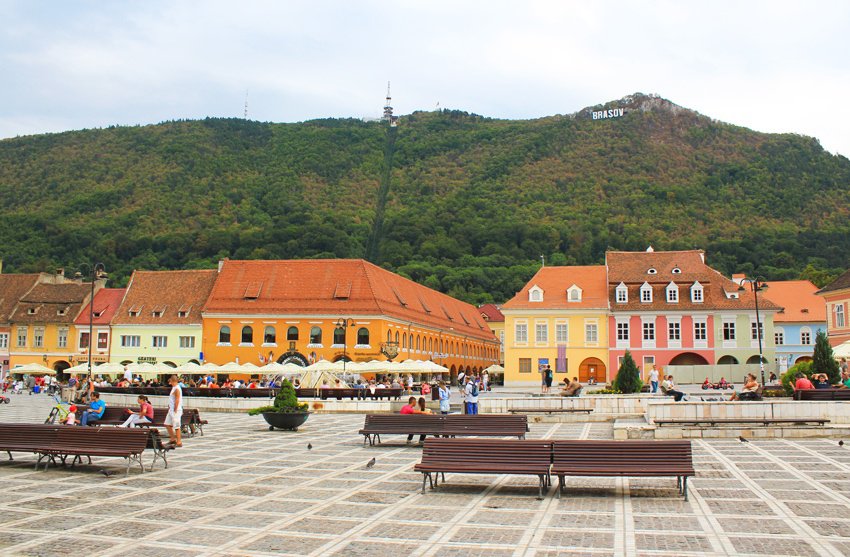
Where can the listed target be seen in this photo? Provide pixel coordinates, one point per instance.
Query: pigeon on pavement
(107, 473)
(370, 463)
(742, 440)
(841, 443)
(309, 446)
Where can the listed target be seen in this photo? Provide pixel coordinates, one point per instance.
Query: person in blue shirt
(95, 411)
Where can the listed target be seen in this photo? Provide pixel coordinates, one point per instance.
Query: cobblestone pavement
(243, 490)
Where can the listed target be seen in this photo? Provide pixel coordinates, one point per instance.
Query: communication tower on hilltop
(388, 109)
(246, 104)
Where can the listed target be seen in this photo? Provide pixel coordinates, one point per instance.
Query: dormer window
(156, 313)
(676, 271)
(134, 313)
(651, 271)
(646, 293)
(622, 294)
(672, 293)
(574, 294)
(535, 294)
(32, 311)
(697, 296)
(182, 313)
(63, 311)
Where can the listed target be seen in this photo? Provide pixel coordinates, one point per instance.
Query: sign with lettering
(610, 113)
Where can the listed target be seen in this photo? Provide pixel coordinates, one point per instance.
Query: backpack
(474, 391)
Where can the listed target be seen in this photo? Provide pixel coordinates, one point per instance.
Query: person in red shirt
(802, 383)
(410, 408)
(143, 416)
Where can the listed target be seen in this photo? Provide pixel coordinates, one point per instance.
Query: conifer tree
(628, 377)
(823, 360)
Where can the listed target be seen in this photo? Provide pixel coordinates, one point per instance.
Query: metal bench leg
(542, 481)
(679, 484)
(685, 487)
(10, 455)
(424, 478)
(560, 485)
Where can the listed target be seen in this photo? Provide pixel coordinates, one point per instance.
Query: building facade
(495, 319)
(670, 308)
(302, 311)
(42, 322)
(796, 325)
(106, 302)
(560, 319)
(837, 298)
(159, 319)
(12, 289)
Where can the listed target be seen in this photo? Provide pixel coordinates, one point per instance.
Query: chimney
(221, 263)
(60, 272)
(1, 266)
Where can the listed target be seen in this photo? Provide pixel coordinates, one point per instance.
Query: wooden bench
(117, 415)
(745, 421)
(400, 424)
(550, 410)
(26, 438)
(159, 449)
(485, 425)
(623, 458)
(485, 456)
(122, 442)
(822, 394)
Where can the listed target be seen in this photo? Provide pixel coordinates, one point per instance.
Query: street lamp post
(343, 324)
(757, 284)
(96, 271)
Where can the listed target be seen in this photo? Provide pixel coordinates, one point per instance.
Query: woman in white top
(175, 412)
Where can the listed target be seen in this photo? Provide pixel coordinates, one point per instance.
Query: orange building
(305, 310)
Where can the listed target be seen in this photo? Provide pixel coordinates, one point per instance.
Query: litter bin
(36, 389)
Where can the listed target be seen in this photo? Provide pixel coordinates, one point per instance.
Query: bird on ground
(370, 463)
(107, 473)
(841, 443)
(309, 446)
(742, 440)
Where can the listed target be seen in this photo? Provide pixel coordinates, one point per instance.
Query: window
(522, 333)
(157, 313)
(224, 335)
(535, 294)
(159, 341)
(22, 336)
(574, 294)
(805, 336)
(269, 335)
(396, 339)
(247, 335)
(756, 333)
(839, 316)
(676, 271)
(562, 333)
(646, 293)
(102, 341)
(729, 331)
(187, 342)
(62, 338)
(4, 340)
(525, 365)
(700, 331)
(591, 333)
(182, 313)
(315, 335)
(131, 341)
(779, 336)
(38, 337)
(292, 333)
(651, 271)
(389, 336)
(649, 332)
(623, 331)
(672, 294)
(622, 293)
(501, 341)
(363, 336)
(84, 340)
(696, 293)
(674, 331)
(339, 336)
(541, 333)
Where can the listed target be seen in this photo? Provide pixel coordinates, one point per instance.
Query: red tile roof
(799, 300)
(842, 282)
(635, 268)
(337, 288)
(12, 289)
(491, 313)
(48, 302)
(176, 296)
(106, 303)
(554, 281)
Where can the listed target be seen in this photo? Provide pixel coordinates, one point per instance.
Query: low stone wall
(837, 412)
(600, 404)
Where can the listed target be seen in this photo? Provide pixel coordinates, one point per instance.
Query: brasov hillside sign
(610, 113)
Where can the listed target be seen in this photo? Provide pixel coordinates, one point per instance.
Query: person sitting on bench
(802, 383)
(143, 416)
(96, 409)
(571, 388)
(410, 408)
(749, 391)
(669, 388)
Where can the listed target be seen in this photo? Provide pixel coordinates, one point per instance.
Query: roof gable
(166, 297)
(590, 279)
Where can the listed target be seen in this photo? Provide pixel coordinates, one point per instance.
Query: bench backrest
(28, 435)
(404, 422)
(618, 453)
(115, 439)
(490, 451)
(822, 394)
(488, 422)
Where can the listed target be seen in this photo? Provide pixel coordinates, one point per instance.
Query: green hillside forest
(462, 203)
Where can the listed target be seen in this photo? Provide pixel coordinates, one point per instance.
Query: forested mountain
(465, 204)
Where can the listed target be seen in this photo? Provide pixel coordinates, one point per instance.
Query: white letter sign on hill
(611, 113)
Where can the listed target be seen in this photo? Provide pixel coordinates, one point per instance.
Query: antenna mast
(246, 104)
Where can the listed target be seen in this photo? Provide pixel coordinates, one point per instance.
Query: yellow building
(42, 323)
(558, 319)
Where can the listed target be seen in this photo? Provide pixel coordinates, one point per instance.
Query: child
(71, 418)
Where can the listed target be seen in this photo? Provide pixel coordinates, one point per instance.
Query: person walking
(471, 397)
(175, 413)
(653, 379)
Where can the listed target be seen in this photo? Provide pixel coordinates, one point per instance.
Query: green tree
(823, 361)
(628, 377)
(285, 401)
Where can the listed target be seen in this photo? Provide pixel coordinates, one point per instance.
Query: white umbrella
(248, 367)
(230, 367)
(108, 369)
(495, 368)
(33, 368)
(209, 367)
(79, 368)
(143, 369)
(322, 365)
(842, 350)
(189, 367)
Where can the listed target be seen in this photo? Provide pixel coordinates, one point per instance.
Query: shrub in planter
(286, 412)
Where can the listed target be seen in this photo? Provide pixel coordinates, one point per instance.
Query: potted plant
(286, 412)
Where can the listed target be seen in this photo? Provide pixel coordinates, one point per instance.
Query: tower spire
(388, 108)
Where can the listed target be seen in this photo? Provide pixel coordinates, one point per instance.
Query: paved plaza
(243, 490)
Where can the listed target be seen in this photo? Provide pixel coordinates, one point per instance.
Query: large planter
(285, 420)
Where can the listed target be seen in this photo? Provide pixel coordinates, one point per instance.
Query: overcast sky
(772, 66)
